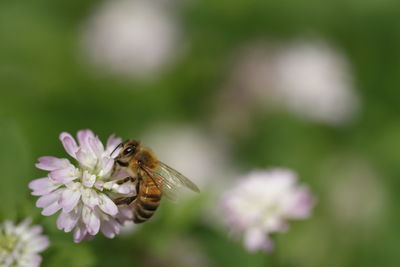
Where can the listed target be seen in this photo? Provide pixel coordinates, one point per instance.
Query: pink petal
(41, 243)
(107, 163)
(80, 233)
(67, 221)
(42, 186)
(91, 220)
(51, 209)
(69, 144)
(110, 228)
(107, 205)
(255, 239)
(47, 200)
(96, 146)
(49, 163)
(65, 175)
(83, 138)
(86, 158)
(302, 205)
(69, 199)
(89, 197)
(112, 143)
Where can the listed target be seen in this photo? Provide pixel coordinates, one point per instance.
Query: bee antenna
(120, 145)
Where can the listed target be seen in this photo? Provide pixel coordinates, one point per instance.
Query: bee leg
(125, 180)
(124, 200)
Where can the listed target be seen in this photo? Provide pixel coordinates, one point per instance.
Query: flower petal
(91, 219)
(43, 186)
(80, 233)
(51, 209)
(69, 199)
(112, 143)
(67, 221)
(109, 228)
(89, 197)
(86, 158)
(47, 200)
(49, 163)
(69, 144)
(96, 146)
(255, 239)
(64, 175)
(83, 138)
(107, 205)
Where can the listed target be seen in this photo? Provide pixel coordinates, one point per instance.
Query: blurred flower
(200, 156)
(20, 244)
(131, 37)
(309, 78)
(83, 193)
(262, 202)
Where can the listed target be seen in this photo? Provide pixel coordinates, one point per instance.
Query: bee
(155, 179)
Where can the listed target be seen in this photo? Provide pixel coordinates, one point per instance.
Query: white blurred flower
(309, 78)
(315, 81)
(83, 192)
(198, 155)
(20, 244)
(262, 202)
(132, 37)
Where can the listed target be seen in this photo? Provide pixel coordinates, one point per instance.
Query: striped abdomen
(147, 201)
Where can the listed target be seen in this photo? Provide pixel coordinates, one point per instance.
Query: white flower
(309, 78)
(131, 37)
(262, 202)
(83, 193)
(314, 81)
(20, 244)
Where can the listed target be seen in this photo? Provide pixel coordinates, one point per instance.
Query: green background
(45, 89)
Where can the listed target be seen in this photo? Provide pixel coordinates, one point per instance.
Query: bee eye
(129, 150)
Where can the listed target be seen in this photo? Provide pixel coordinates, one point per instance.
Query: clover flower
(20, 244)
(83, 192)
(262, 202)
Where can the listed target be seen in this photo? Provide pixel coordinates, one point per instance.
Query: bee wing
(170, 181)
(176, 178)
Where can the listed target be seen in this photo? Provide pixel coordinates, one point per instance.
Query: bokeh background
(217, 89)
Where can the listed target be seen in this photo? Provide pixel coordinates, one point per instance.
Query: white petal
(69, 199)
(49, 163)
(88, 179)
(64, 175)
(107, 205)
(47, 200)
(69, 144)
(51, 209)
(91, 220)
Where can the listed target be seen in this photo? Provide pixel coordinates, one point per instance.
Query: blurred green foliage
(45, 89)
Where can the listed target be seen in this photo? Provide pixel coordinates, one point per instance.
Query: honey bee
(154, 179)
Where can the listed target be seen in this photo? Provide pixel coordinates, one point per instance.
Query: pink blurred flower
(82, 193)
(20, 244)
(262, 202)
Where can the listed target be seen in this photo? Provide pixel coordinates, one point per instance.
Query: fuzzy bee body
(147, 201)
(154, 179)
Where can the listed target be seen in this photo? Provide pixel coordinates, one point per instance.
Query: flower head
(262, 202)
(20, 244)
(83, 192)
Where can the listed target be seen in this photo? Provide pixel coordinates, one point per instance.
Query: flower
(262, 202)
(20, 244)
(309, 78)
(84, 192)
(131, 37)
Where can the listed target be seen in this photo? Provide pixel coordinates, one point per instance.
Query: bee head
(127, 152)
